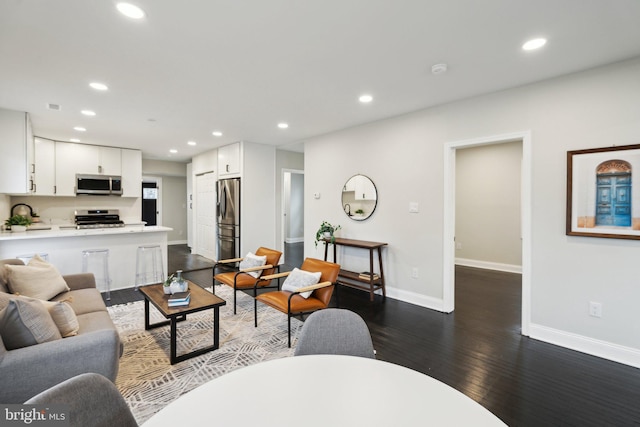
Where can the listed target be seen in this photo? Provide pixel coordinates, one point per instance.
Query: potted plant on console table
(18, 223)
(326, 231)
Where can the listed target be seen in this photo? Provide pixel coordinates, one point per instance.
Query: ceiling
(241, 67)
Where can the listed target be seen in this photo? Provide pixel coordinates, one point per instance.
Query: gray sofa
(27, 371)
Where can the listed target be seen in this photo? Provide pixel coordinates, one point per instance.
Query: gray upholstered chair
(335, 331)
(92, 400)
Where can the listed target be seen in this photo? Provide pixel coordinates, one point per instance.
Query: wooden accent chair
(293, 304)
(241, 279)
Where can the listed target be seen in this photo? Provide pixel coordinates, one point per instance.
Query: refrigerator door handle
(223, 202)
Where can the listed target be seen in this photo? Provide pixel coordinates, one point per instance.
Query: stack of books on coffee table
(179, 299)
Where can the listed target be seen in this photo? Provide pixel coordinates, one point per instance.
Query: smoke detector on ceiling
(439, 69)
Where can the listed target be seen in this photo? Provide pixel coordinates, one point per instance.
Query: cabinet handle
(227, 168)
(55, 189)
(99, 169)
(33, 168)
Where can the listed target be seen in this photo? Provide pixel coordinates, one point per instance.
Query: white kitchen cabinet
(67, 157)
(229, 160)
(131, 161)
(16, 161)
(45, 167)
(110, 161)
(350, 185)
(364, 189)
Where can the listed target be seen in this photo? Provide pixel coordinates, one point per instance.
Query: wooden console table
(353, 279)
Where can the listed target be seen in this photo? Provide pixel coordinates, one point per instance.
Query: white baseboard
(606, 350)
(294, 239)
(414, 298)
(487, 265)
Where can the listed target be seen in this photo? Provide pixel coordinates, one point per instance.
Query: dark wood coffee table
(200, 300)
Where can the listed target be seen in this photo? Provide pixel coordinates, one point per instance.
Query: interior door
(205, 238)
(150, 203)
(614, 200)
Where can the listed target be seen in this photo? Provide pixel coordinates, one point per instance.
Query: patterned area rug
(149, 382)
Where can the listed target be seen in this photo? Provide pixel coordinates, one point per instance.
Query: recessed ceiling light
(131, 11)
(439, 68)
(192, 143)
(99, 86)
(74, 140)
(534, 44)
(173, 151)
(88, 113)
(283, 125)
(216, 133)
(80, 129)
(365, 98)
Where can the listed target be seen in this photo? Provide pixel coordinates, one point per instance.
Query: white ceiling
(194, 66)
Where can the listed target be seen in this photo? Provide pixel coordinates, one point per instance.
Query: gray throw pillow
(24, 323)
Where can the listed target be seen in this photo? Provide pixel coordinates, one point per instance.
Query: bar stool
(27, 257)
(149, 268)
(96, 261)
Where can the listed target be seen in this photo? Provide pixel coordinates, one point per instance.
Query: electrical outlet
(595, 309)
(458, 245)
(414, 273)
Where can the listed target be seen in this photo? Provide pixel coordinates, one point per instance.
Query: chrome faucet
(347, 208)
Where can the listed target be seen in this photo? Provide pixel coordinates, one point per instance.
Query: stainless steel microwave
(98, 185)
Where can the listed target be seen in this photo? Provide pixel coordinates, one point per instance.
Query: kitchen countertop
(50, 231)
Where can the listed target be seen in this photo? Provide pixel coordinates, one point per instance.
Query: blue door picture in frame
(613, 197)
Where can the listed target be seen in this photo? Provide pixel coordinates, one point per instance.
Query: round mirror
(359, 197)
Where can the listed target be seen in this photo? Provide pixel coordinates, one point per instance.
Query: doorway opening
(151, 200)
(292, 228)
(449, 243)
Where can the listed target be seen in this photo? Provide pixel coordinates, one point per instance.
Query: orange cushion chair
(291, 302)
(241, 279)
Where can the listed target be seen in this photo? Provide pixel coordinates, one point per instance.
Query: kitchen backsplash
(60, 210)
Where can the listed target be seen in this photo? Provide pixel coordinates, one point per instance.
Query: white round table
(324, 390)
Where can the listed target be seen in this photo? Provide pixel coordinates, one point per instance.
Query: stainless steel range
(98, 218)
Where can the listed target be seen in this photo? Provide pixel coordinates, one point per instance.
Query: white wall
(488, 229)
(404, 158)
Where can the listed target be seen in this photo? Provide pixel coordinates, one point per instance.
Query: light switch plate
(413, 207)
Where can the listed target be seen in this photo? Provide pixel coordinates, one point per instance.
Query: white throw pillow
(252, 260)
(38, 279)
(299, 279)
(64, 317)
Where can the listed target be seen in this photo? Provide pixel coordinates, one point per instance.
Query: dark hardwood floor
(478, 350)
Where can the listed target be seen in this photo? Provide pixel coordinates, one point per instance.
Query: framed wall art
(603, 192)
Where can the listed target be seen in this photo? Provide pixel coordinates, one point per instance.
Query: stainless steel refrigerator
(228, 218)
